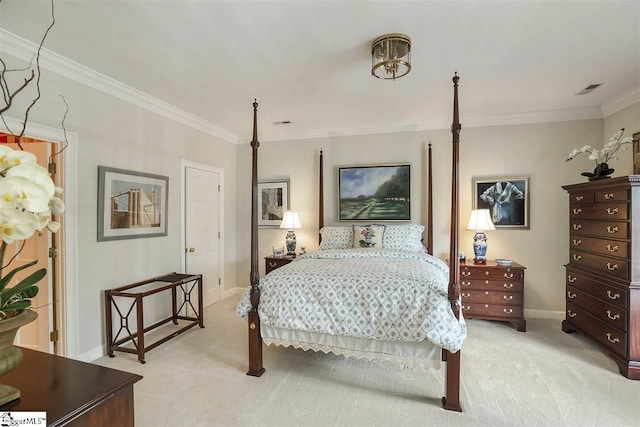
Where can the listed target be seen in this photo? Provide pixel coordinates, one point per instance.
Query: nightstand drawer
(492, 285)
(491, 273)
(488, 297)
(272, 263)
(470, 310)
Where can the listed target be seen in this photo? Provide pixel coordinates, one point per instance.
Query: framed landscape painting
(374, 193)
(507, 198)
(273, 201)
(131, 204)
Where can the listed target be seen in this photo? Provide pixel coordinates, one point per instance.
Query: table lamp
(291, 222)
(480, 221)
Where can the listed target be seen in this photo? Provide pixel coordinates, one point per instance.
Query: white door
(203, 238)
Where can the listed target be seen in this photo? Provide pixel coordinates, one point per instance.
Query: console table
(134, 294)
(72, 393)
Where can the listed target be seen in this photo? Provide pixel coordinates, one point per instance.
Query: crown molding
(621, 102)
(24, 49)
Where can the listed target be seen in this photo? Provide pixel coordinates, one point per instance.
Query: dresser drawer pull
(467, 295)
(508, 285)
(466, 283)
(577, 257)
(612, 211)
(486, 273)
(466, 273)
(611, 229)
(579, 198)
(571, 278)
(272, 264)
(486, 306)
(577, 211)
(612, 340)
(508, 275)
(577, 242)
(486, 282)
(507, 297)
(614, 317)
(613, 267)
(570, 295)
(613, 248)
(608, 196)
(507, 310)
(466, 307)
(571, 313)
(611, 295)
(577, 226)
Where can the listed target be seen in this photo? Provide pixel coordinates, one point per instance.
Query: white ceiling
(309, 61)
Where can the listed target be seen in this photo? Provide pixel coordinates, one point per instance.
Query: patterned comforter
(383, 294)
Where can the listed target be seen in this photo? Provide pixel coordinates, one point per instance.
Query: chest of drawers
(493, 292)
(602, 283)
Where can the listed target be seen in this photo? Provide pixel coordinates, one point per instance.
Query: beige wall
(538, 151)
(628, 118)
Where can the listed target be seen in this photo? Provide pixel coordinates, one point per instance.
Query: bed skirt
(417, 355)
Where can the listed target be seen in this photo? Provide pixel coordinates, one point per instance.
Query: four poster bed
(390, 302)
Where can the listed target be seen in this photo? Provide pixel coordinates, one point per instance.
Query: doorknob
(190, 250)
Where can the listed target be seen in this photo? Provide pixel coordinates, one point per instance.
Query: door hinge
(52, 167)
(54, 336)
(53, 252)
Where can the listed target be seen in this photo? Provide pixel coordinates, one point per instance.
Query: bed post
(451, 399)
(320, 201)
(255, 339)
(430, 205)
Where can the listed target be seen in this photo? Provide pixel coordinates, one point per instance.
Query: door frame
(184, 164)
(68, 316)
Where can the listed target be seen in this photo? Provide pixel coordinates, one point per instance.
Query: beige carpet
(543, 377)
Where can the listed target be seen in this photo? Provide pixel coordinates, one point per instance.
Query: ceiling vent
(589, 89)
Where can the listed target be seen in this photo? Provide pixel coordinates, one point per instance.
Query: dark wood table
(72, 393)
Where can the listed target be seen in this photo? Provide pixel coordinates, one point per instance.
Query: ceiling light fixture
(391, 56)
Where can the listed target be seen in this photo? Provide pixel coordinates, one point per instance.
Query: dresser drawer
(610, 266)
(609, 210)
(488, 297)
(615, 316)
(609, 229)
(489, 273)
(615, 296)
(602, 246)
(621, 194)
(492, 285)
(469, 309)
(581, 197)
(612, 338)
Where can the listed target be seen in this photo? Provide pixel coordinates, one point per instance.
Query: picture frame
(374, 192)
(636, 153)
(273, 201)
(506, 197)
(131, 204)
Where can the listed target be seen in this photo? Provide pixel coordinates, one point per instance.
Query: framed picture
(374, 193)
(507, 198)
(131, 204)
(636, 153)
(273, 200)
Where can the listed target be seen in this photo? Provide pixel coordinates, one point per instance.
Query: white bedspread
(381, 294)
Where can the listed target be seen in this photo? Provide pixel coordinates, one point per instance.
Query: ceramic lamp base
(480, 248)
(291, 243)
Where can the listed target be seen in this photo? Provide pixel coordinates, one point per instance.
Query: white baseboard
(233, 291)
(543, 314)
(93, 354)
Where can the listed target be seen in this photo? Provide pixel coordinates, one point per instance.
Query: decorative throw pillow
(404, 236)
(335, 237)
(368, 236)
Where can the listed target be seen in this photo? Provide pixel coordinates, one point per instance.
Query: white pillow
(336, 237)
(403, 236)
(368, 236)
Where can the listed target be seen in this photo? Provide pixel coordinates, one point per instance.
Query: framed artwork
(636, 153)
(131, 204)
(273, 200)
(374, 193)
(507, 198)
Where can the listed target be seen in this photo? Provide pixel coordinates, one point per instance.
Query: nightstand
(493, 292)
(272, 262)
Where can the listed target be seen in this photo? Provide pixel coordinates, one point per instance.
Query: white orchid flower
(10, 158)
(16, 224)
(595, 154)
(56, 206)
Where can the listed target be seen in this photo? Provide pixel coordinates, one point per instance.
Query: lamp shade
(290, 220)
(480, 220)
